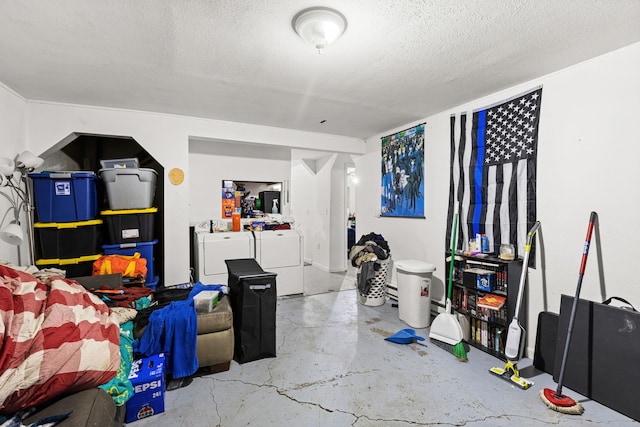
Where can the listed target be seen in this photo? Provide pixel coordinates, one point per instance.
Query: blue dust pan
(405, 336)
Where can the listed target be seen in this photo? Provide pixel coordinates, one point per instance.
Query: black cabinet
(479, 283)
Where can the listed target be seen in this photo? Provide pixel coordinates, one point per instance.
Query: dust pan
(404, 336)
(446, 328)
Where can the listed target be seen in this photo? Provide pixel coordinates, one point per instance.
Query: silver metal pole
(29, 214)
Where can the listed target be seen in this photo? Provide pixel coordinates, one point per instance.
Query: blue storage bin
(65, 196)
(153, 285)
(144, 248)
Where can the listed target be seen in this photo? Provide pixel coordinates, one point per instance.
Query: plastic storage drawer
(129, 225)
(75, 267)
(65, 196)
(68, 239)
(144, 248)
(129, 188)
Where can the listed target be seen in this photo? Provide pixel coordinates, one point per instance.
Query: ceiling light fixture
(319, 26)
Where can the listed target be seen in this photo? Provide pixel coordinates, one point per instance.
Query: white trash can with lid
(414, 292)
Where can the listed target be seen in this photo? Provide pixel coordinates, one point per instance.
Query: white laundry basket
(377, 294)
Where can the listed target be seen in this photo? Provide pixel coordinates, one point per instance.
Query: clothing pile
(364, 254)
(172, 328)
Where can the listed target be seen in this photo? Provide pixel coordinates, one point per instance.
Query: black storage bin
(74, 267)
(129, 225)
(67, 239)
(253, 298)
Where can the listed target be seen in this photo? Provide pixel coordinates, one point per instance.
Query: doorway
(350, 202)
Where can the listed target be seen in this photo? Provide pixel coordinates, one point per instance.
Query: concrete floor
(334, 368)
(318, 281)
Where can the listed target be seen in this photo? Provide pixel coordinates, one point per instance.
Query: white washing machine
(212, 249)
(281, 252)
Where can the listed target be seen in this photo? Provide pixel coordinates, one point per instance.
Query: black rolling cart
(253, 297)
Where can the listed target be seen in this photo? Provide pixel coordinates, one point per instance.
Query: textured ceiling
(240, 60)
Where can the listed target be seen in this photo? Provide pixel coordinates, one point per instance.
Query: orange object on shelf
(235, 219)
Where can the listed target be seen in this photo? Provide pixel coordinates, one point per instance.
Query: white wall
(304, 203)
(339, 207)
(320, 202)
(13, 127)
(588, 153)
(167, 138)
(321, 236)
(212, 162)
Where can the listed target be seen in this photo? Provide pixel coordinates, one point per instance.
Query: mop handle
(583, 264)
(525, 265)
(454, 240)
(572, 317)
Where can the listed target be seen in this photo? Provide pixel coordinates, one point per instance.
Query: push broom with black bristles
(554, 399)
(445, 331)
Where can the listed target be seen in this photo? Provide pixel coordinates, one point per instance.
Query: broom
(445, 331)
(555, 399)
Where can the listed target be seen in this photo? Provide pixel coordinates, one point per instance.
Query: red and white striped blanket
(55, 339)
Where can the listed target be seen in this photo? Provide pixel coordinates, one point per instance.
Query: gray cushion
(93, 407)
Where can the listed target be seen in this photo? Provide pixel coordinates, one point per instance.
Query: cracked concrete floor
(334, 369)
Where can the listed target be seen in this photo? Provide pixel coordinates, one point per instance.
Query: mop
(555, 399)
(445, 331)
(516, 333)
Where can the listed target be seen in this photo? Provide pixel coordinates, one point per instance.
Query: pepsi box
(147, 378)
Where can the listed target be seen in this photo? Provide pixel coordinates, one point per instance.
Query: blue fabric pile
(173, 330)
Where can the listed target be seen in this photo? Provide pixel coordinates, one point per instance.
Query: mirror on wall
(253, 198)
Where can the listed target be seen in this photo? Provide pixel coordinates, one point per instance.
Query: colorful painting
(403, 174)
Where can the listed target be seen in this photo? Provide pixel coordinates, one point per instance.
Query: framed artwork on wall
(402, 190)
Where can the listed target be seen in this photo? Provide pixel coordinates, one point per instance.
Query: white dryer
(281, 252)
(212, 249)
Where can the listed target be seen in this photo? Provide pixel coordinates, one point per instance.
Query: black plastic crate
(129, 225)
(74, 267)
(67, 239)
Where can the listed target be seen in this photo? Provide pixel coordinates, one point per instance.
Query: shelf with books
(492, 301)
(485, 292)
(469, 302)
(488, 337)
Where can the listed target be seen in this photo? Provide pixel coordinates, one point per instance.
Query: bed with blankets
(56, 338)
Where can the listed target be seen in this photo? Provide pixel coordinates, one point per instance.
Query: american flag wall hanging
(493, 171)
